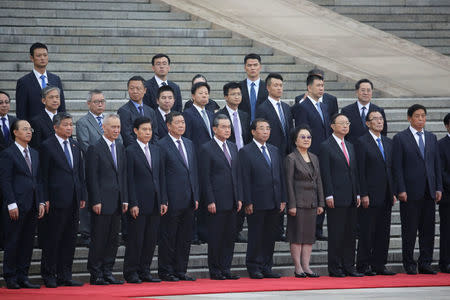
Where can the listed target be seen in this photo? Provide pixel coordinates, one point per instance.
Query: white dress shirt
(256, 87)
(314, 102)
(50, 114)
(360, 106)
(220, 143)
(6, 121)
(163, 113)
(416, 136)
(61, 142)
(38, 77)
(159, 81)
(182, 146)
(275, 106)
(260, 149)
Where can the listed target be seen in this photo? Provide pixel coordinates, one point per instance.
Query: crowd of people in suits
(172, 178)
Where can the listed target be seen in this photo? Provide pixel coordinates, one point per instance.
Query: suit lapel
(303, 164)
(36, 83)
(274, 114)
(132, 108)
(374, 146)
(94, 123)
(200, 118)
(23, 162)
(338, 149)
(108, 154)
(60, 152)
(413, 143)
(261, 156)
(144, 158)
(174, 149)
(220, 152)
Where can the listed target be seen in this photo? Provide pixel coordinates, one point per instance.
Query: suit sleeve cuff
(12, 206)
(329, 197)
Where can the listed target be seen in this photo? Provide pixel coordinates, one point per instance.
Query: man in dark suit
(145, 175)
(240, 134)
(135, 108)
(106, 178)
(357, 112)
(6, 121)
(374, 156)
(161, 67)
(181, 193)
(339, 171)
(28, 89)
(211, 105)
(220, 182)
(62, 169)
(42, 123)
(418, 180)
(254, 90)
(165, 99)
(329, 100)
(444, 204)
(264, 195)
(314, 113)
(22, 193)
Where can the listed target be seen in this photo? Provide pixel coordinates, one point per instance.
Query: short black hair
(371, 112)
(335, 116)
(273, 75)
(59, 117)
(296, 131)
(159, 55)
(198, 76)
(6, 94)
(198, 85)
(164, 88)
(415, 107)
(37, 46)
(252, 56)
(136, 78)
(14, 126)
(447, 119)
(141, 120)
(256, 121)
(364, 80)
(171, 115)
(310, 79)
(231, 85)
(45, 91)
(218, 118)
(317, 72)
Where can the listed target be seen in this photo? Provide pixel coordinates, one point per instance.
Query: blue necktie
(266, 156)
(141, 109)
(363, 116)
(319, 109)
(113, 153)
(44, 84)
(282, 119)
(99, 120)
(66, 151)
(5, 130)
(380, 145)
(163, 83)
(421, 144)
(252, 101)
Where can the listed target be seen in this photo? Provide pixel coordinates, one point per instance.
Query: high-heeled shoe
(312, 275)
(301, 275)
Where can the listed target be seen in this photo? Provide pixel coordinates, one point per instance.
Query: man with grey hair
(62, 170)
(106, 179)
(89, 130)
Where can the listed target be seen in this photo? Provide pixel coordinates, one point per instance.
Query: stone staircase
(424, 22)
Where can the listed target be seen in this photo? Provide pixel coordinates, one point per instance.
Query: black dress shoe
(369, 272)
(256, 275)
(337, 274)
(12, 284)
(231, 276)
(168, 277)
(321, 237)
(184, 277)
(70, 283)
(111, 280)
(132, 278)
(354, 274)
(97, 281)
(312, 275)
(271, 275)
(26, 284)
(427, 270)
(50, 283)
(217, 277)
(445, 269)
(411, 270)
(149, 278)
(385, 272)
(299, 275)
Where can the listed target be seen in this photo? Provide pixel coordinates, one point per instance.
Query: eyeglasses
(376, 119)
(97, 102)
(4, 102)
(343, 123)
(304, 137)
(27, 129)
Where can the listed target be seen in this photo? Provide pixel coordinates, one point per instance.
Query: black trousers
(59, 248)
(200, 227)
(319, 223)
(18, 246)
(341, 239)
(373, 242)
(175, 242)
(418, 216)
(140, 244)
(221, 229)
(240, 218)
(104, 244)
(263, 228)
(444, 241)
(85, 221)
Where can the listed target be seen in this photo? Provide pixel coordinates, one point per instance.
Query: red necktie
(345, 153)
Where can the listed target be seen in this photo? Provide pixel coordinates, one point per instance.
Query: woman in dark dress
(305, 200)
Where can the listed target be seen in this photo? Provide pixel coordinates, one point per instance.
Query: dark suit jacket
(28, 95)
(304, 186)
(219, 181)
(357, 128)
(375, 173)
(262, 186)
(196, 129)
(277, 136)
(444, 148)
(212, 105)
(43, 129)
(162, 125)
(411, 171)
(3, 143)
(328, 99)
(106, 184)
(338, 178)
(144, 183)
(260, 98)
(61, 182)
(128, 113)
(152, 91)
(306, 113)
(244, 118)
(18, 184)
(181, 181)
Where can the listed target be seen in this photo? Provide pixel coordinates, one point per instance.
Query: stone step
(394, 10)
(383, 2)
(432, 34)
(410, 25)
(413, 18)
(432, 42)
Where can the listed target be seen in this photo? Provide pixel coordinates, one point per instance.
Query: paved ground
(435, 293)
